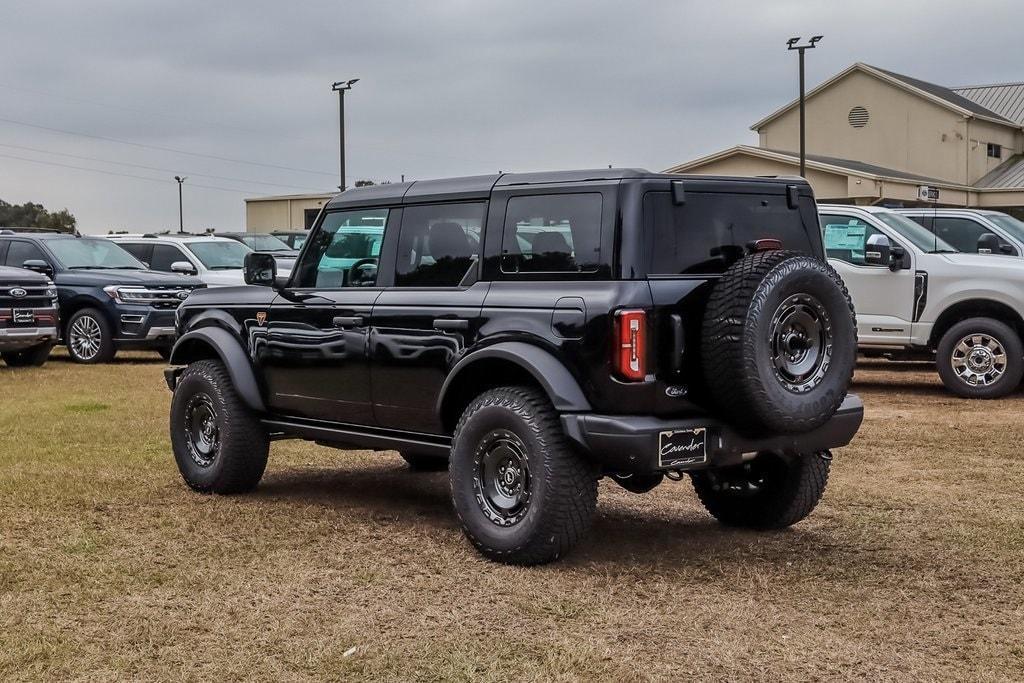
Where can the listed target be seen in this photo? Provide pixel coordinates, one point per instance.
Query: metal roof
(861, 167)
(946, 94)
(1009, 174)
(1006, 99)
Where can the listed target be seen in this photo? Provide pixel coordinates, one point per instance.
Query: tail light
(631, 345)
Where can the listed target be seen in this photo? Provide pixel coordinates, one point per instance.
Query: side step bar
(356, 436)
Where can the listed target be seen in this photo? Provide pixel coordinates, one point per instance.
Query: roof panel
(1009, 174)
(1006, 99)
(945, 93)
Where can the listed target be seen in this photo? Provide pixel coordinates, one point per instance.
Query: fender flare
(549, 372)
(231, 353)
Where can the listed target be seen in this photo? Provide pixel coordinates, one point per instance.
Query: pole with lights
(792, 44)
(340, 87)
(181, 216)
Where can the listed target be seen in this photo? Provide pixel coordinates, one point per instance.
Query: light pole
(340, 87)
(792, 45)
(181, 217)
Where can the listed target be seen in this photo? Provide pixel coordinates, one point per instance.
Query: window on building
(309, 217)
(439, 244)
(995, 151)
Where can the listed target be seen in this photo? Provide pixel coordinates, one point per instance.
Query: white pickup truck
(918, 297)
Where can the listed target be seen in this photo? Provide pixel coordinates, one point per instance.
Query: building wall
(286, 213)
(904, 131)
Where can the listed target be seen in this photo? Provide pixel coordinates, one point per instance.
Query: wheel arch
(507, 363)
(78, 303)
(975, 308)
(214, 343)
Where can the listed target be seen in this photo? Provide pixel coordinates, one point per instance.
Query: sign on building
(927, 193)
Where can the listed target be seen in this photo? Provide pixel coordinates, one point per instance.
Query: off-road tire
(791, 495)
(244, 444)
(106, 351)
(563, 485)
(35, 356)
(1006, 336)
(736, 344)
(424, 462)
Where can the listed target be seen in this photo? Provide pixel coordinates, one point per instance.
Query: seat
(449, 239)
(551, 252)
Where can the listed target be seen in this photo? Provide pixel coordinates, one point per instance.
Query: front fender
(198, 344)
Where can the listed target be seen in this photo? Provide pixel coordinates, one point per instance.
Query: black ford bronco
(532, 333)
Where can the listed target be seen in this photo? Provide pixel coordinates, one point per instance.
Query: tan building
(284, 212)
(877, 137)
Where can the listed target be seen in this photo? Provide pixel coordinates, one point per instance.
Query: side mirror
(878, 251)
(38, 265)
(897, 258)
(989, 244)
(260, 269)
(183, 267)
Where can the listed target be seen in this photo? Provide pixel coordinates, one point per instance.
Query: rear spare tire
(779, 342)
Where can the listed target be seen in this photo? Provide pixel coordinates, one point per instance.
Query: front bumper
(629, 443)
(14, 338)
(142, 326)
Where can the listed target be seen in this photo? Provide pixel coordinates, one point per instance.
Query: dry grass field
(347, 566)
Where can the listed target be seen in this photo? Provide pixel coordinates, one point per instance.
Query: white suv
(973, 231)
(217, 261)
(916, 296)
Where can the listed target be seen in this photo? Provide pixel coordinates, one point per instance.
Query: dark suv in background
(28, 316)
(108, 299)
(532, 333)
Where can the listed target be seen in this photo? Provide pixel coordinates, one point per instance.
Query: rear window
(711, 230)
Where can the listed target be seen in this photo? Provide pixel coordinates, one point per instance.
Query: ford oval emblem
(182, 295)
(18, 292)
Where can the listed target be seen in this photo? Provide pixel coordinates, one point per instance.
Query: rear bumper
(629, 443)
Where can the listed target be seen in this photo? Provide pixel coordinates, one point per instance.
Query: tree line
(32, 215)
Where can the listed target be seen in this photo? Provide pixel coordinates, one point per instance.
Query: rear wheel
(35, 355)
(522, 493)
(425, 462)
(218, 442)
(980, 358)
(89, 337)
(771, 491)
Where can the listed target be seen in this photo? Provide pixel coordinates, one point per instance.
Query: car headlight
(128, 295)
(51, 292)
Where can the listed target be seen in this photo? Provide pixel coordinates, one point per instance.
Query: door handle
(451, 324)
(348, 321)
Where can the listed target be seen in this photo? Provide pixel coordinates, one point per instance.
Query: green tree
(32, 215)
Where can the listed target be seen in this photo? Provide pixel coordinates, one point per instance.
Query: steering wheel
(363, 272)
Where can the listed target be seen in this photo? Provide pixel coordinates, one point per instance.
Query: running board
(356, 436)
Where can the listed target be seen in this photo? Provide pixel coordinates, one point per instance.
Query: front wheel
(89, 337)
(36, 356)
(522, 493)
(980, 358)
(771, 491)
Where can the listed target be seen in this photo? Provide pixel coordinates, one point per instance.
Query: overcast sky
(449, 87)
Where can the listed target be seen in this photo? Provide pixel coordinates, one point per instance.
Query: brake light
(631, 344)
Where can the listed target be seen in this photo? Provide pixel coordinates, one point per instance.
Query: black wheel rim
(202, 433)
(801, 343)
(501, 478)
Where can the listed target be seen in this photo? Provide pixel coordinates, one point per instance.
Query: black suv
(108, 299)
(532, 333)
(28, 317)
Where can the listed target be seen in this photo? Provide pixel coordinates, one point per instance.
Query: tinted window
(88, 253)
(143, 252)
(846, 238)
(344, 239)
(20, 252)
(554, 233)
(712, 229)
(220, 255)
(439, 244)
(923, 239)
(259, 242)
(962, 233)
(163, 256)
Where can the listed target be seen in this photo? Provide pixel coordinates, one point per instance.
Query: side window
(20, 252)
(343, 251)
(962, 233)
(552, 233)
(163, 256)
(846, 238)
(439, 244)
(140, 251)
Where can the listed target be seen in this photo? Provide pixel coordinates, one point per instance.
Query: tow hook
(825, 455)
(674, 475)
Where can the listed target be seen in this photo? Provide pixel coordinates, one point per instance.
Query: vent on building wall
(858, 117)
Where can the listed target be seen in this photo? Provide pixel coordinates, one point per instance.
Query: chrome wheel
(85, 337)
(501, 478)
(201, 431)
(979, 360)
(800, 334)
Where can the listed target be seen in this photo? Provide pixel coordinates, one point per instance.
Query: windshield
(93, 253)
(1009, 224)
(298, 241)
(264, 243)
(226, 255)
(922, 238)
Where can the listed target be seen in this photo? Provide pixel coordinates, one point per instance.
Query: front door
(430, 314)
(313, 351)
(883, 298)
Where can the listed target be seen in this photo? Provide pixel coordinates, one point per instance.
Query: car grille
(158, 297)
(35, 297)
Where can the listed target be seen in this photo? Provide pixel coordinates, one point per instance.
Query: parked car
(523, 331)
(28, 316)
(973, 231)
(217, 261)
(918, 297)
(266, 243)
(107, 299)
(293, 238)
